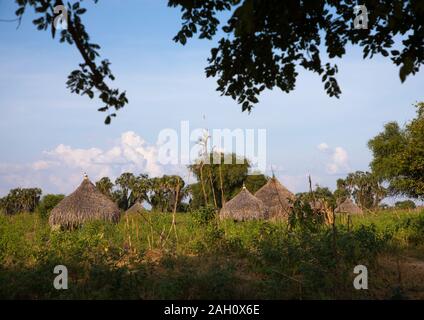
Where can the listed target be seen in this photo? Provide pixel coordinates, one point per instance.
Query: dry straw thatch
(86, 203)
(244, 206)
(348, 206)
(276, 198)
(136, 208)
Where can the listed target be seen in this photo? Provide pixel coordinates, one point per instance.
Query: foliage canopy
(263, 45)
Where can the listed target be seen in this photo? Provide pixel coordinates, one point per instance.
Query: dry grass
(276, 198)
(244, 206)
(403, 273)
(86, 203)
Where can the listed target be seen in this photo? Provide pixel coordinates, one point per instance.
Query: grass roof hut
(244, 206)
(348, 206)
(86, 203)
(276, 198)
(137, 207)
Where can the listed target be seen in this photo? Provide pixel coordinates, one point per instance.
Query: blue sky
(49, 136)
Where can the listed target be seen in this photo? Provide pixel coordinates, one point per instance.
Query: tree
(341, 193)
(123, 194)
(398, 156)
(366, 188)
(166, 192)
(48, 202)
(20, 200)
(322, 194)
(255, 181)
(224, 175)
(264, 42)
(140, 188)
(162, 193)
(105, 186)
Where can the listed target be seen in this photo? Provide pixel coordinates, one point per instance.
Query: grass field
(143, 258)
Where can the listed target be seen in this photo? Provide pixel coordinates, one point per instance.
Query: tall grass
(206, 259)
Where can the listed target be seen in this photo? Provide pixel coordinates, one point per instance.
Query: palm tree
(105, 186)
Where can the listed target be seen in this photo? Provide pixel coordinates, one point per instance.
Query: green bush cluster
(48, 202)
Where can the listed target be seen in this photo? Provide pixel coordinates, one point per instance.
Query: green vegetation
(217, 180)
(20, 200)
(399, 156)
(48, 202)
(406, 204)
(159, 192)
(142, 257)
(221, 177)
(263, 45)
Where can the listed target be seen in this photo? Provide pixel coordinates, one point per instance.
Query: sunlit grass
(143, 257)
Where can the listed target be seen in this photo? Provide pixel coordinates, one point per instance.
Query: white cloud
(42, 164)
(323, 146)
(62, 168)
(337, 161)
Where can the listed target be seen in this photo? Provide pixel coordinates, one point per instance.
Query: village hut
(137, 207)
(348, 206)
(276, 198)
(86, 203)
(244, 206)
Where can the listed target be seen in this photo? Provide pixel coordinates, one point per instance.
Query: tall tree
(342, 191)
(105, 186)
(123, 190)
(264, 42)
(366, 188)
(48, 202)
(166, 192)
(229, 169)
(140, 188)
(320, 194)
(20, 200)
(398, 156)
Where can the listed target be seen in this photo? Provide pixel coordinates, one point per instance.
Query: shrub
(48, 202)
(407, 204)
(204, 215)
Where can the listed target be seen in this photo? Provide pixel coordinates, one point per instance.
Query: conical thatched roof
(244, 206)
(276, 198)
(86, 203)
(348, 206)
(136, 208)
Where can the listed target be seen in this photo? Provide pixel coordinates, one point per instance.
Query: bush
(204, 215)
(48, 202)
(407, 204)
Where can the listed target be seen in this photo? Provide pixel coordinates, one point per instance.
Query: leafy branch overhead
(263, 44)
(91, 76)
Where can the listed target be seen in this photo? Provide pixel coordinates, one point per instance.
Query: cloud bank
(61, 169)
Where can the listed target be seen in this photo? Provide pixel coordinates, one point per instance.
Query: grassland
(143, 258)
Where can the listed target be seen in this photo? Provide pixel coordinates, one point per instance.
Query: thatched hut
(137, 207)
(276, 198)
(244, 206)
(86, 203)
(348, 206)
